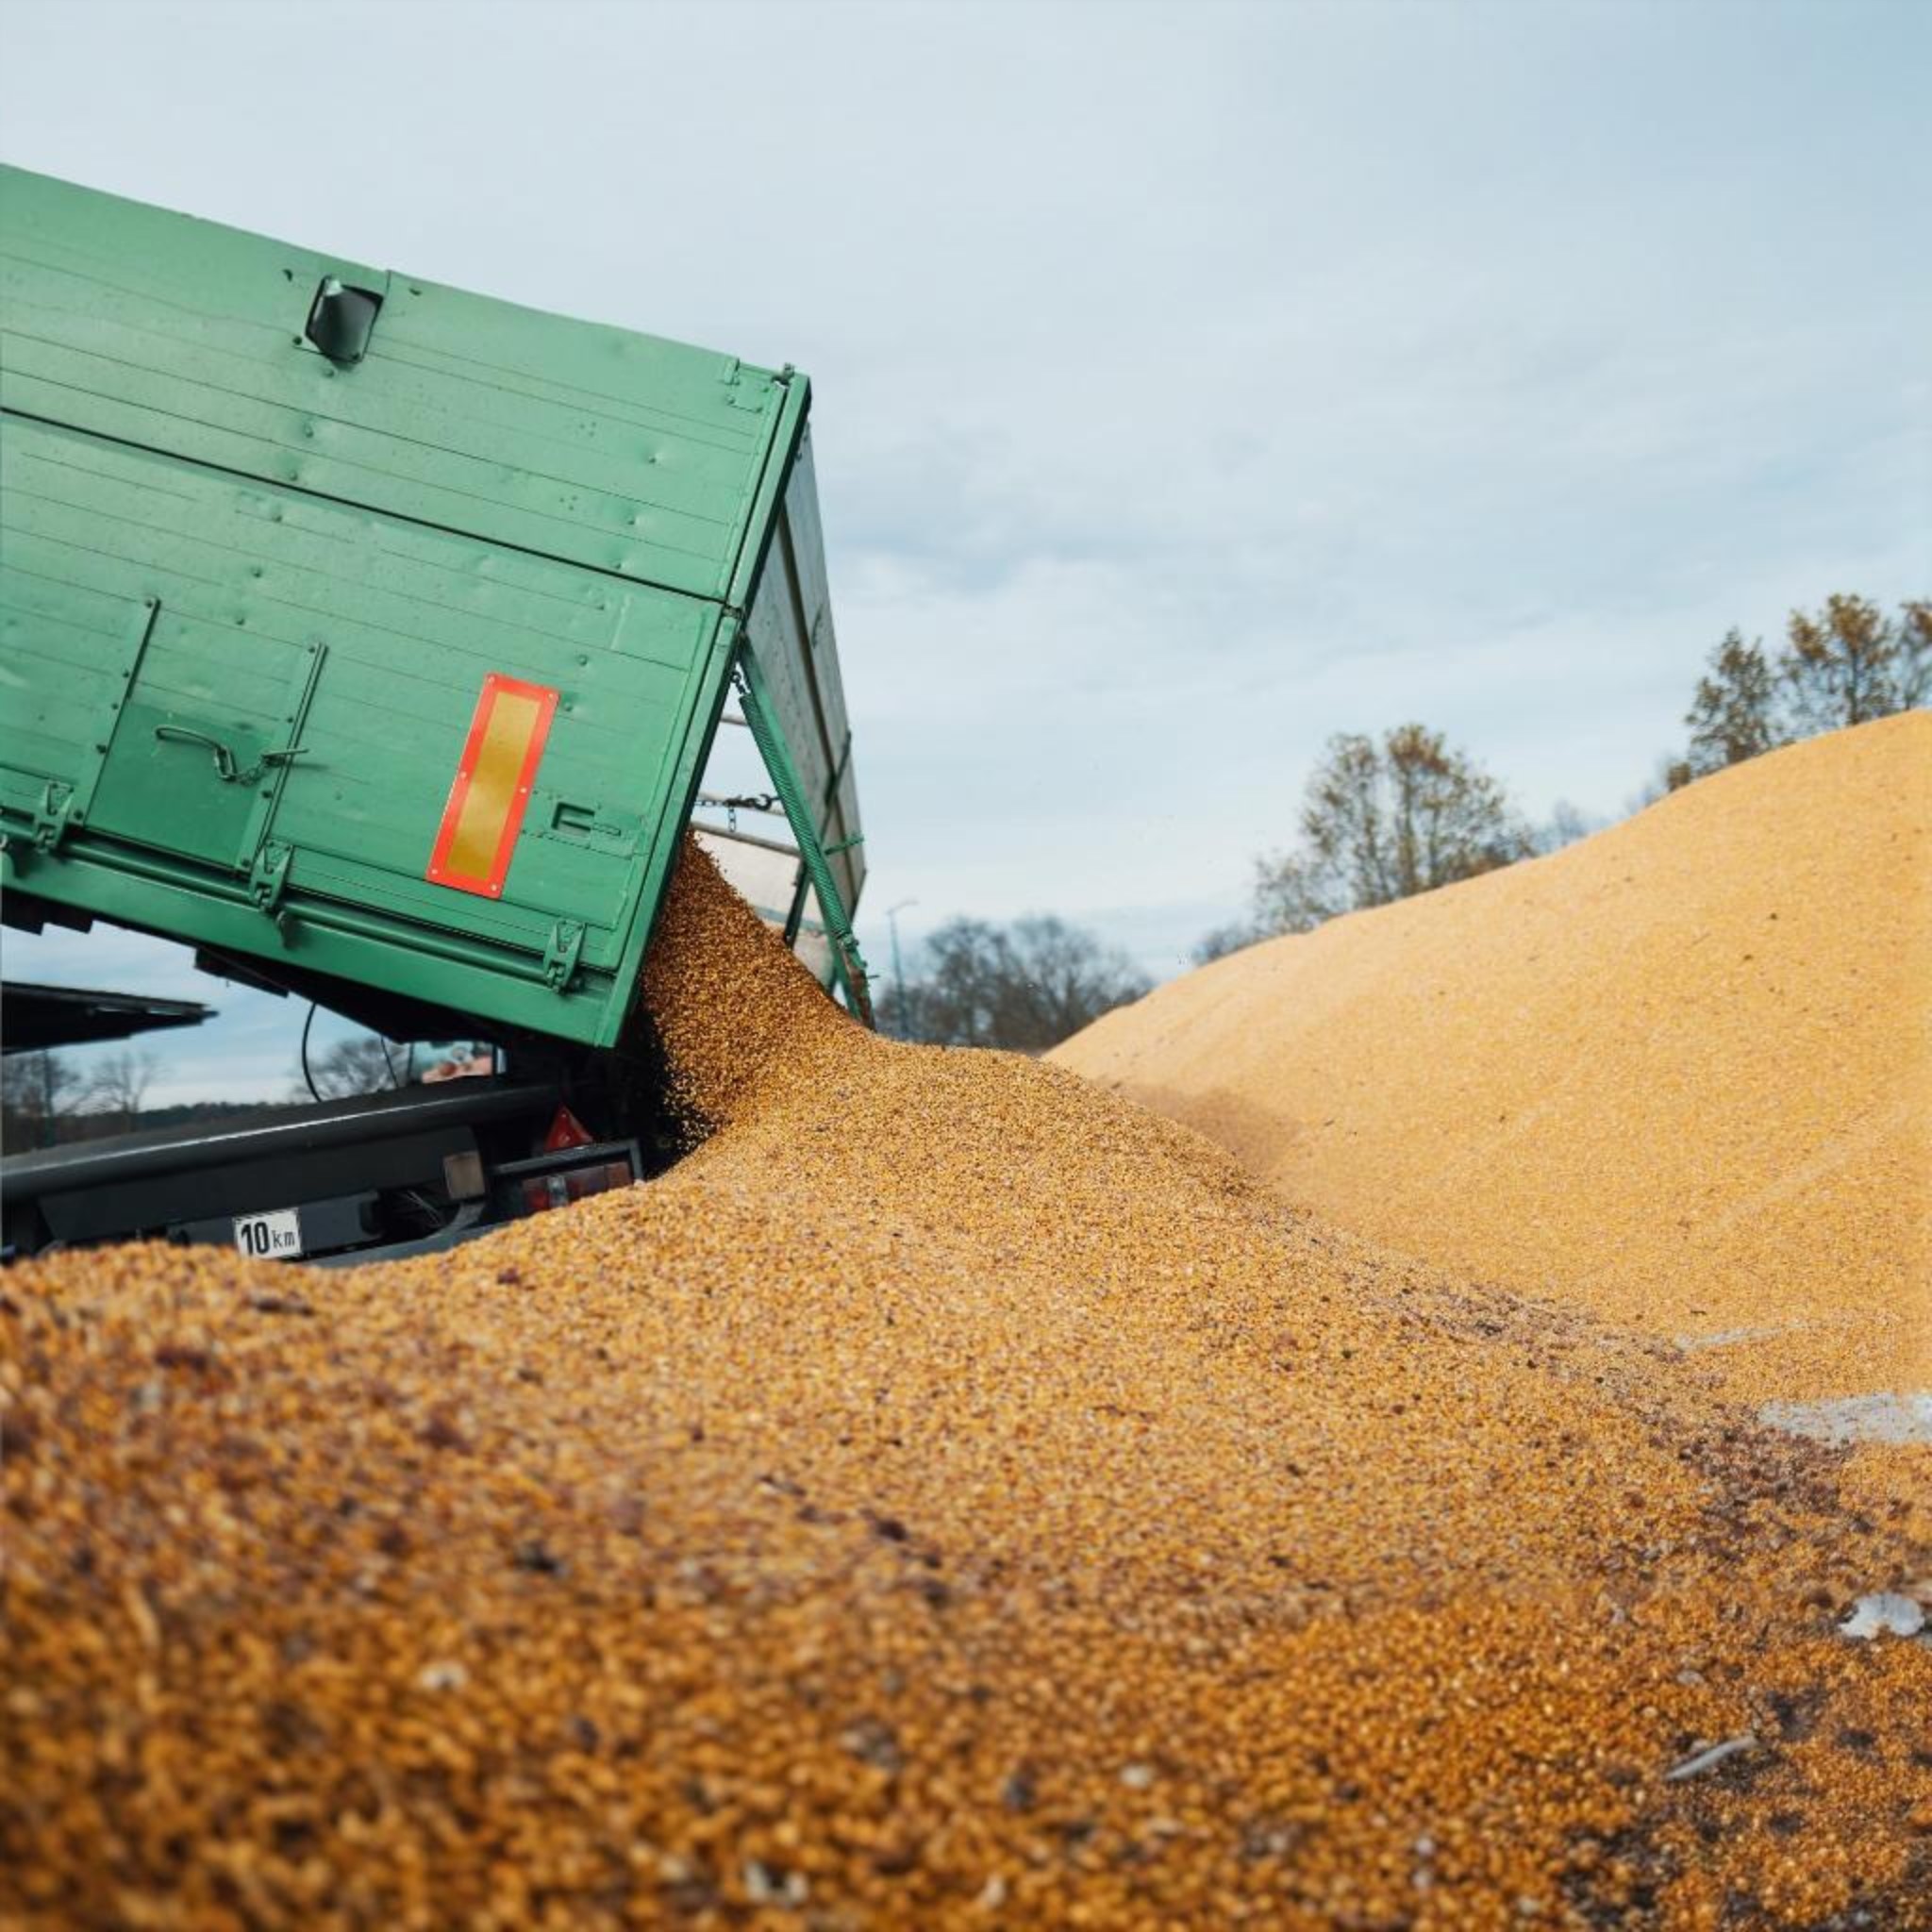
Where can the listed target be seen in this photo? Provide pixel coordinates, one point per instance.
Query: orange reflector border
(491, 791)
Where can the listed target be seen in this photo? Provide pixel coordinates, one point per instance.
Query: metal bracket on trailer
(52, 815)
(847, 963)
(561, 955)
(268, 877)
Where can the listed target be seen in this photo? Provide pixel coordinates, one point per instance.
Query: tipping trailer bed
(371, 637)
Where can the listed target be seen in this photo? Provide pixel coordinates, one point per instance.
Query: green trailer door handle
(224, 758)
(226, 767)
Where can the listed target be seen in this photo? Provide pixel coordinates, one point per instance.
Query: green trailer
(378, 632)
(372, 636)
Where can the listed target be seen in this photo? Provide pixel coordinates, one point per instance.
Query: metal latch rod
(225, 765)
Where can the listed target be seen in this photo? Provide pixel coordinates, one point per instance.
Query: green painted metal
(847, 963)
(249, 595)
(568, 440)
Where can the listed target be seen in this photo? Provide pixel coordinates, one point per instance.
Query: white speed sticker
(275, 1236)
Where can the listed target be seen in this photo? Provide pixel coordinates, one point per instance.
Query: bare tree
(119, 1083)
(40, 1091)
(1381, 821)
(1850, 663)
(1027, 985)
(364, 1064)
(1565, 825)
(1915, 653)
(1734, 714)
(1228, 938)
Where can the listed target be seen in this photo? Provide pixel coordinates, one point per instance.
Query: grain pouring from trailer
(374, 639)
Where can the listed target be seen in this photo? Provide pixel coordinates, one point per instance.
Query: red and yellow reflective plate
(491, 790)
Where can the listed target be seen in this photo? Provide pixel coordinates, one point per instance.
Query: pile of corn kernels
(1679, 1075)
(949, 1497)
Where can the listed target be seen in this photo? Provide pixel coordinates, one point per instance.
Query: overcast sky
(1191, 382)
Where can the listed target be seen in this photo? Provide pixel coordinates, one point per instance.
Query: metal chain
(750, 801)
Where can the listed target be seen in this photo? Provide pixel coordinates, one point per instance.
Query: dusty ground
(951, 1497)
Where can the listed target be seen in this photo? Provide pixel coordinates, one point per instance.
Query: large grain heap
(1680, 1075)
(951, 1497)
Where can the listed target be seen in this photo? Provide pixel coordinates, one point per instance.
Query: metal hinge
(561, 955)
(269, 876)
(755, 397)
(53, 815)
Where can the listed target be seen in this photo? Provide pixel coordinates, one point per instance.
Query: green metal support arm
(846, 961)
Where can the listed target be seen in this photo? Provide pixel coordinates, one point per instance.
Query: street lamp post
(892, 914)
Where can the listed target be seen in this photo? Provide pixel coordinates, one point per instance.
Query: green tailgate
(252, 601)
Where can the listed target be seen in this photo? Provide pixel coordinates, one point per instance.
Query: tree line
(1846, 664)
(1384, 817)
(47, 1100)
(43, 1097)
(1026, 986)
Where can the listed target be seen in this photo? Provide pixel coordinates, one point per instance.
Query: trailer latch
(52, 815)
(227, 768)
(268, 876)
(561, 955)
